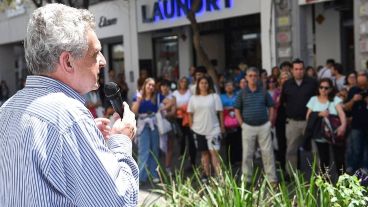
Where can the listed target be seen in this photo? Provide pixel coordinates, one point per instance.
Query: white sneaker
(155, 180)
(168, 171)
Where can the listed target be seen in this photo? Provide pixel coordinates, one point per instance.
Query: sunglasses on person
(324, 88)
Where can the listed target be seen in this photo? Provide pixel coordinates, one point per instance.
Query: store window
(245, 47)
(116, 62)
(166, 57)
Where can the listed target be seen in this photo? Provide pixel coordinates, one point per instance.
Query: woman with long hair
(275, 72)
(350, 80)
(233, 140)
(311, 72)
(324, 104)
(145, 105)
(204, 108)
(168, 109)
(182, 96)
(280, 123)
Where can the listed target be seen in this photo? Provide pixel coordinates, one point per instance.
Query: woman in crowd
(204, 109)
(242, 83)
(350, 82)
(275, 73)
(233, 141)
(168, 109)
(321, 106)
(273, 89)
(311, 72)
(145, 105)
(182, 96)
(124, 89)
(280, 123)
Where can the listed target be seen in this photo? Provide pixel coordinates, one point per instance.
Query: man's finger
(103, 121)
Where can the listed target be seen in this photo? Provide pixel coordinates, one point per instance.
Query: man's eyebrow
(96, 50)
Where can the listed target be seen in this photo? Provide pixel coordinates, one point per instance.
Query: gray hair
(53, 29)
(252, 69)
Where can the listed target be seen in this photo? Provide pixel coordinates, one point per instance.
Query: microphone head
(111, 89)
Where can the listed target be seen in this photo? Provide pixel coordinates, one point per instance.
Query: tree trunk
(197, 41)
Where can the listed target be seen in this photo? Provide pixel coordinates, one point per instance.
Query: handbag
(329, 126)
(163, 125)
(230, 120)
(181, 112)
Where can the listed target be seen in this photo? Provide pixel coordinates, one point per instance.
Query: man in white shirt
(326, 71)
(338, 78)
(199, 72)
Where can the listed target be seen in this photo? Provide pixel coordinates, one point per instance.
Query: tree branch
(197, 41)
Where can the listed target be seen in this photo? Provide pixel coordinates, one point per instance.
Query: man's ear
(65, 61)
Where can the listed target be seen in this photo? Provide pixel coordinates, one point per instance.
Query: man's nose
(102, 61)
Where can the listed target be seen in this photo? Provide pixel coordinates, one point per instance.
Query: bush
(233, 190)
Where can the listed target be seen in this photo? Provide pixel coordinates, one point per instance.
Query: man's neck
(298, 81)
(338, 76)
(252, 87)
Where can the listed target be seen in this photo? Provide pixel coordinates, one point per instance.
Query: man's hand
(103, 125)
(126, 126)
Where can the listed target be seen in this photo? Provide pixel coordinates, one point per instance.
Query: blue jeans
(148, 148)
(357, 150)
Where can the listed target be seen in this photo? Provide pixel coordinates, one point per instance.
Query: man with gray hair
(52, 151)
(253, 110)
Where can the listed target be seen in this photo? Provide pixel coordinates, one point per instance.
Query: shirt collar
(257, 89)
(36, 81)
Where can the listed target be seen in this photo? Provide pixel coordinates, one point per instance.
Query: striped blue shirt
(52, 153)
(254, 105)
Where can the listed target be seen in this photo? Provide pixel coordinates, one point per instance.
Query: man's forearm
(238, 116)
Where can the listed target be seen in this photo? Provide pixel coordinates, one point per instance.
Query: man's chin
(95, 87)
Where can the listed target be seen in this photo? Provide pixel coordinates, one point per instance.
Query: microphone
(112, 93)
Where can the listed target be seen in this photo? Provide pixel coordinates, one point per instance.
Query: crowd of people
(55, 151)
(249, 112)
(252, 112)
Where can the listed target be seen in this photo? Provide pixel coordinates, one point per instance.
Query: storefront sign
(283, 21)
(283, 37)
(104, 21)
(169, 9)
(302, 2)
(284, 52)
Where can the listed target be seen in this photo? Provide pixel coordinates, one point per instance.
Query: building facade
(155, 35)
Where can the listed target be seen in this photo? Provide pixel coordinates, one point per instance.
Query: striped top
(52, 153)
(254, 106)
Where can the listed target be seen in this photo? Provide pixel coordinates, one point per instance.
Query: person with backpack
(254, 110)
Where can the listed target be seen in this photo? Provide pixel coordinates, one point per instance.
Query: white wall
(268, 35)
(14, 29)
(111, 9)
(238, 8)
(131, 49)
(185, 52)
(328, 43)
(145, 45)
